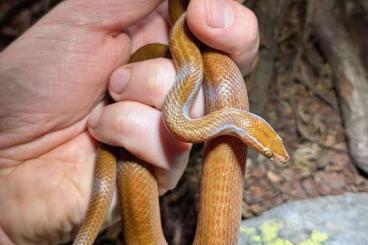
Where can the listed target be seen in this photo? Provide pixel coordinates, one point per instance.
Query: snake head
(273, 148)
(264, 139)
(278, 155)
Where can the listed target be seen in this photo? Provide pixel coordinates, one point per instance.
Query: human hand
(55, 76)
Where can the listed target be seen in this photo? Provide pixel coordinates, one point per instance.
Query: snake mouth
(280, 161)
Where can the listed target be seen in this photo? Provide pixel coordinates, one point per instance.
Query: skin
(53, 79)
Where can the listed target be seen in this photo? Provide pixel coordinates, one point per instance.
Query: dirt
(302, 106)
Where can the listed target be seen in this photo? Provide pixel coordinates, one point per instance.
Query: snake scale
(227, 128)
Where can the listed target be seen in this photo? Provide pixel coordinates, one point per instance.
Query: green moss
(270, 229)
(268, 234)
(319, 236)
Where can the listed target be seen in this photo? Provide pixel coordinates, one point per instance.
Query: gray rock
(331, 220)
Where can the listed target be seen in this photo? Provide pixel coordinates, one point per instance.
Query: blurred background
(310, 83)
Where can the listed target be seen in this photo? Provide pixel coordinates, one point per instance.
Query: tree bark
(351, 80)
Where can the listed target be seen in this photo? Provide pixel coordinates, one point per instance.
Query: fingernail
(220, 14)
(119, 80)
(94, 118)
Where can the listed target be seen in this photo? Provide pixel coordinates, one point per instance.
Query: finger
(168, 179)
(141, 130)
(227, 26)
(148, 82)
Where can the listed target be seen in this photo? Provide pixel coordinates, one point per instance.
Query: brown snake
(227, 127)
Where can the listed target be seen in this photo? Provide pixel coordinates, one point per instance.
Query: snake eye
(267, 153)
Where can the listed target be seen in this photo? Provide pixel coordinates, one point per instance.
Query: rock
(330, 220)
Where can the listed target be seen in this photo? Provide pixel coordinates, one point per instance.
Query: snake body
(224, 156)
(249, 128)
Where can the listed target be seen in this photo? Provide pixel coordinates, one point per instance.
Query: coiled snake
(228, 128)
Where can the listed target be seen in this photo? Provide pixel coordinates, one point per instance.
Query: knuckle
(124, 122)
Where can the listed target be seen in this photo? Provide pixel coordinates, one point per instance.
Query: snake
(227, 128)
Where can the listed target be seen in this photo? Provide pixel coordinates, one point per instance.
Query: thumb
(228, 26)
(106, 15)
